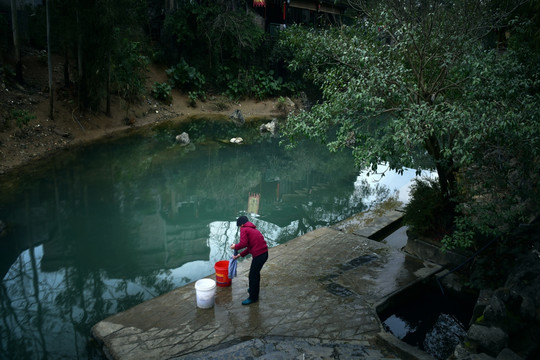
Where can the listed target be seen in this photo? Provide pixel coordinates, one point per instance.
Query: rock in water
(183, 139)
(270, 127)
(238, 118)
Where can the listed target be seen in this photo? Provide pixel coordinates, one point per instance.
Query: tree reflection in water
(101, 228)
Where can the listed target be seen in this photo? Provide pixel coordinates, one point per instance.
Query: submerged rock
(270, 127)
(183, 139)
(237, 117)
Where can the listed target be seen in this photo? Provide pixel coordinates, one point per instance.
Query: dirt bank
(41, 137)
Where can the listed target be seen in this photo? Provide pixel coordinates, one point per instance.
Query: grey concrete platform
(318, 298)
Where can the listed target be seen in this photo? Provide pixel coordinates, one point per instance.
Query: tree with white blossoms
(430, 84)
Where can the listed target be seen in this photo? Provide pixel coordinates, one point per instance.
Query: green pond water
(97, 229)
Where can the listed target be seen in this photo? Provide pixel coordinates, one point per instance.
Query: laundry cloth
(232, 265)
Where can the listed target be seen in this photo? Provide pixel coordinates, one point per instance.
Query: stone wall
(432, 252)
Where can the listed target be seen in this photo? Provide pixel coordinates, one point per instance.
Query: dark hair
(241, 220)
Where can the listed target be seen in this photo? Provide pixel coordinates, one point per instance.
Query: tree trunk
(108, 108)
(445, 172)
(79, 62)
(16, 44)
(66, 69)
(49, 61)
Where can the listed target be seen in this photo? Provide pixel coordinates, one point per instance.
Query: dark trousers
(255, 275)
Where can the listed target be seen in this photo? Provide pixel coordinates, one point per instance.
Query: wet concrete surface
(318, 298)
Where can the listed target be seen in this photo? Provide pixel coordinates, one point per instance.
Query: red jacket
(252, 240)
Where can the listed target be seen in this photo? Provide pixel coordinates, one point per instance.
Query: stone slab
(321, 286)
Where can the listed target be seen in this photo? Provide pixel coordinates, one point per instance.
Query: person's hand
(232, 246)
(236, 256)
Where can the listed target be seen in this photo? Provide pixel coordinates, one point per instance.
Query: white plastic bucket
(206, 291)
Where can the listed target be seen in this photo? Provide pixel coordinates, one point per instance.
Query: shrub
(129, 70)
(427, 213)
(193, 96)
(265, 85)
(161, 91)
(21, 117)
(282, 105)
(186, 77)
(259, 84)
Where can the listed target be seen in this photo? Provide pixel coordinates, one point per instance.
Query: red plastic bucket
(222, 273)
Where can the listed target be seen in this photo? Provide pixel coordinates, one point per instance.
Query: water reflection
(425, 318)
(100, 229)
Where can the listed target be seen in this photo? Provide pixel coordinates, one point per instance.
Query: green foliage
(95, 36)
(225, 45)
(214, 33)
(21, 117)
(492, 266)
(281, 104)
(129, 70)
(356, 93)
(265, 85)
(192, 98)
(186, 77)
(196, 95)
(414, 86)
(233, 82)
(251, 82)
(161, 91)
(498, 188)
(236, 89)
(427, 213)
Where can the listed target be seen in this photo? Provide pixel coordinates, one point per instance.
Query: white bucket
(206, 291)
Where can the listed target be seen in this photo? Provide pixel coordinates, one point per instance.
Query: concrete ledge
(425, 250)
(403, 350)
(371, 224)
(322, 286)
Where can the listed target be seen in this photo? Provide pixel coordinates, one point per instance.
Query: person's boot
(248, 301)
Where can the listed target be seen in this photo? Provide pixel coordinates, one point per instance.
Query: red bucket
(222, 273)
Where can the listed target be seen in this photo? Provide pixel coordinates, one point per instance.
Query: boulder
(452, 282)
(481, 356)
(528, 309)
(183, 139)
(507, 354)
(509, 315)
(484, 297)
(237, 140)
(270, 127)
(490, 339)
(462, 353)
(237, 117)
(289, 104)
(495, 311)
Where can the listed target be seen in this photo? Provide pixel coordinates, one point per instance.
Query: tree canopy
(431, 84)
